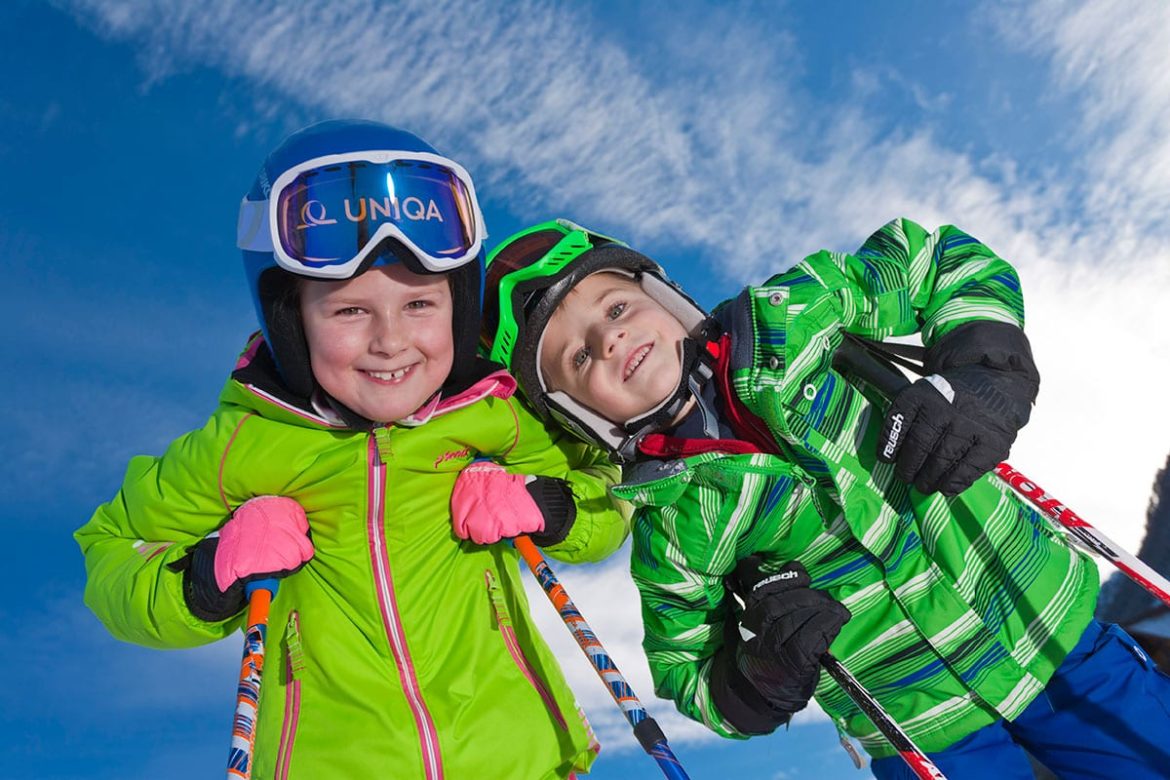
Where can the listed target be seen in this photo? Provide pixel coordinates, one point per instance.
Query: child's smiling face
(381, 343)
(612, 348)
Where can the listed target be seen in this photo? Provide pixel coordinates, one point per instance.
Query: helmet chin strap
(710, 418)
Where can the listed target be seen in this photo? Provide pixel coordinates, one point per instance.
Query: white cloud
(1100, 430)
(1097, 275)
(1111, 54)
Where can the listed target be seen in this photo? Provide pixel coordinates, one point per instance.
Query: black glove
(554, 499)
(200, 590)
(948, 429)
(203, 596)
(766, 673)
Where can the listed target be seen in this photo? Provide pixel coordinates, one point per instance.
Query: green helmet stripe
(576, 242)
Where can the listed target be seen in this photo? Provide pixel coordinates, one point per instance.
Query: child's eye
(419, 304)
(349, 311)
(580, 356)
(616, 310)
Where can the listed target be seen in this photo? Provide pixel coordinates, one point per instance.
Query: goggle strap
(252, 231)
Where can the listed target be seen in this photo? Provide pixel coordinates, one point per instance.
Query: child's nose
(387, 336)
(612, 336)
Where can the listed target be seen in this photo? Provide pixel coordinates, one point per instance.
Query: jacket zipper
(504, 621)
(294, 664)
(432, 761)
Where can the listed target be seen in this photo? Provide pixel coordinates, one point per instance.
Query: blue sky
(727, 140)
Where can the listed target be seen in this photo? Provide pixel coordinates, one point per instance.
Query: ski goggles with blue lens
(324, 217)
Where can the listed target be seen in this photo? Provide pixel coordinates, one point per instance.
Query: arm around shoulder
(575, 480)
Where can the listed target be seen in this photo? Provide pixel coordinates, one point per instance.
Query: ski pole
(860, 361)
(260, 594)
(646, 729)
(1132, 566)
(917, 760)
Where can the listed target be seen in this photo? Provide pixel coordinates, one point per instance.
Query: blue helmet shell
(269, 284)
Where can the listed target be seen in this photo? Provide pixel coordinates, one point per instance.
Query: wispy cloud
(546, 107)
(1097, 275)
(683, 138)
(1111, 56)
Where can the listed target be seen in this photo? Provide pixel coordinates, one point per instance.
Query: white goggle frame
(256, 214)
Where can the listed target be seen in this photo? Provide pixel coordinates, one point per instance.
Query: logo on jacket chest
(452, 455)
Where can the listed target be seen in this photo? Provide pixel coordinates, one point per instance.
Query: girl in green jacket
(840, 517)
(400, 644)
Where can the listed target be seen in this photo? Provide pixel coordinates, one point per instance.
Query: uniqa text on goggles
(314, 213)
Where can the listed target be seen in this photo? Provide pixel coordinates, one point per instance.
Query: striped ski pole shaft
(918, 761)
(646, 729)
(260, 594)
(857, 359)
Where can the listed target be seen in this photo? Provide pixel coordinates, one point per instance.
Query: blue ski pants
(1105, 714)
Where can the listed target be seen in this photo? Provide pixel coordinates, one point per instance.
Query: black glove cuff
(554, 499)
(738, 700)
(998, 345)
(203, 596)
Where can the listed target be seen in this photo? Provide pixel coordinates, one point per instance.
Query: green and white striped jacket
(962, 607)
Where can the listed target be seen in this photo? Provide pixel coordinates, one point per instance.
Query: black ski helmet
(530, 273)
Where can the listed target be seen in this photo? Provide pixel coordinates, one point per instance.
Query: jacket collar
(751, 433)
(498, 384)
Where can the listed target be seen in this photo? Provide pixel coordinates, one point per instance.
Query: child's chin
(397, 409)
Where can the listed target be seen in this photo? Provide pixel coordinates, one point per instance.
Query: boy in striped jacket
(841, 517)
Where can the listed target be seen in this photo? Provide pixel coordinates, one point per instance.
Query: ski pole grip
(649, 734)
(270, 584)
(853, 358)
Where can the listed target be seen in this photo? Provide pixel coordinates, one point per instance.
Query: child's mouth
(636, 359)
(389, 377)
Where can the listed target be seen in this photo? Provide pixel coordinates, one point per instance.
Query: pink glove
(267, 535)
(489, 504)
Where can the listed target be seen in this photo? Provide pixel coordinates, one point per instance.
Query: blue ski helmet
(412, 206)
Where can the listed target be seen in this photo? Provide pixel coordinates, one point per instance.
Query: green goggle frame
(576, 241)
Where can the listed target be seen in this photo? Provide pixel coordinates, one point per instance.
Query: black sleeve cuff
(203, 596)
(737, 699)
(554, 499)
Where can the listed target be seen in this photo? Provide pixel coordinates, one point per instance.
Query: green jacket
(962, 608)
(398, 650)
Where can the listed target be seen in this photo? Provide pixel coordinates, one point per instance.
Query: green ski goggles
(520, 269)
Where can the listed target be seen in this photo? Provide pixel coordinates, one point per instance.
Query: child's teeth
(387, 376)
(638, 361)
